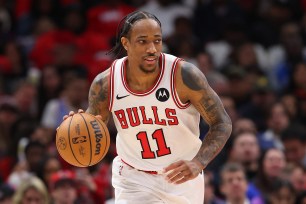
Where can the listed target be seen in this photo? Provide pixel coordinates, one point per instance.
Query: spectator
(216, 80)
(47, 166)
(9, 114)
(41, 26)
(182, 42)
(295, 144)
(25, 96)
(290, 103)
(240, 86)
(36, 10)
(89, 190)
(6, 194)
(210, 189)
(63, 187)
(101, 175)
(271, 167)
(245, 151)
(21, 132)
(244, 125)
(104, 17)
(74, 19)
(167, 11)
(262, 98)
(298, 89)
(296, 175)
(230, 107)
(285, 57)
(6, 17)
(13, 62)
(49, 87)
(34, 153)
(298, 83)
(73, 97)
(234, 184)
(277, 122)
(282, 192)
(214, 18)
(272, 15)
(248, 57)
(31, 190)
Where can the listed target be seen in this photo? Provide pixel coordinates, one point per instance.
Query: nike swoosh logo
(121, 97)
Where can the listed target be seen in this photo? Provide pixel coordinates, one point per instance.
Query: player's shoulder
(182, 64)
(102, 75)
(105, 76)
(102, 79)
(190, 77)
(189, 70)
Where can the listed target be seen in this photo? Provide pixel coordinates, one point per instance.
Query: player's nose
(151, 48)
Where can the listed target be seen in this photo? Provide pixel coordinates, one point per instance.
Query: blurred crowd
(251, 51)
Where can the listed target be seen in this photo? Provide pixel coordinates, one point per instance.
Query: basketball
(82, 140)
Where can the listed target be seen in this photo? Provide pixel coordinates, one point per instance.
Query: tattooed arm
(209, 105)
(98, 96)
(193, 87)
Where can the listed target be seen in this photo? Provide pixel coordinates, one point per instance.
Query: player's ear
(124, 42)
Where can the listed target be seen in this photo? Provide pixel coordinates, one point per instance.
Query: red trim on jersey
(111, 86)
(174, 94)
(148, 172)
(151, 89)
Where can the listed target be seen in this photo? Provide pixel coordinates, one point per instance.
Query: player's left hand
(182, 171)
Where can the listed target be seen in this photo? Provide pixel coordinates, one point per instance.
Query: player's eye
(158, 41)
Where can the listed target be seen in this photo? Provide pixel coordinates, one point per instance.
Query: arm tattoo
(190, 78)
(211, 109)
(213, 143)
(97, 97)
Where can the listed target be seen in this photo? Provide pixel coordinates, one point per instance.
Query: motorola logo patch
(162, 94)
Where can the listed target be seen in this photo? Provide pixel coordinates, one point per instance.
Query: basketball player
(156, 101)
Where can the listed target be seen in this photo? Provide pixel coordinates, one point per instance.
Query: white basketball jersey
(154, 127)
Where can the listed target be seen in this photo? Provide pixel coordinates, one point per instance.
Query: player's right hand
(71, 113)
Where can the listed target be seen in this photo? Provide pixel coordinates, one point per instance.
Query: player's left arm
(193, 87)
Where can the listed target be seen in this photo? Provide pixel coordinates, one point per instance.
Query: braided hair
(125, 26)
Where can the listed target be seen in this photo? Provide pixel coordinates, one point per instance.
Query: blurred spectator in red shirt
(104, 17)
(63, 187)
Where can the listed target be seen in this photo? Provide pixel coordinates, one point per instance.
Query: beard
(146, 71)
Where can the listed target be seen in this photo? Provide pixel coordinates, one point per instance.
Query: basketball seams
(89, 135)
(69, 139)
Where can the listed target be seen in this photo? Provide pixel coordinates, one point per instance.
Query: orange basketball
(82, 140)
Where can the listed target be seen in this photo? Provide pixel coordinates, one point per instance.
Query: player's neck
(139, 80)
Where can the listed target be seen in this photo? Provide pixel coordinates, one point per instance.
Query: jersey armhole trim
(174, 93)
(111, 86)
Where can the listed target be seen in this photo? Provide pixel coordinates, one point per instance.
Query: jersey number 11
(158, 136)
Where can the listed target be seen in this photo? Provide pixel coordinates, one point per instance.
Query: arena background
(251, 51)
